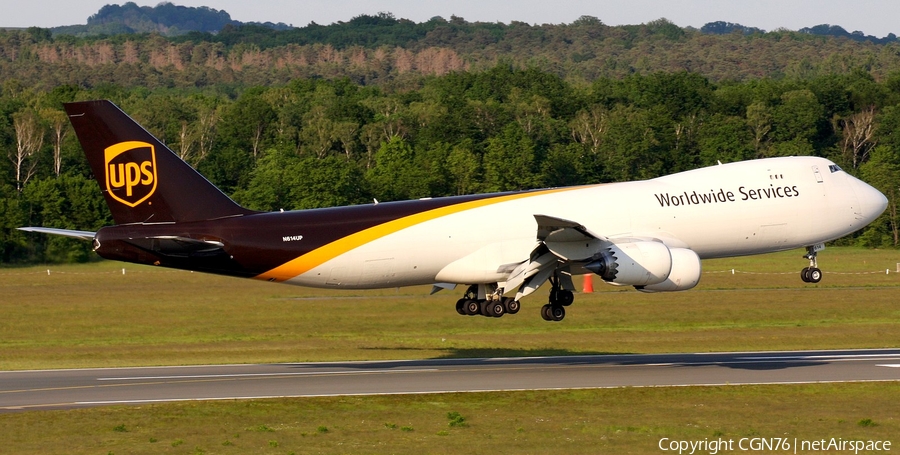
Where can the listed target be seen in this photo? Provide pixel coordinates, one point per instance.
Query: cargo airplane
(500, 247)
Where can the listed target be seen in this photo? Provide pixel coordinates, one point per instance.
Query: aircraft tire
(557, 312)
(814, 275)
(472, 307)
(495, 308)
(804, 274)
(512, 305)
(564, 297)
(545, 313)
(461, 306)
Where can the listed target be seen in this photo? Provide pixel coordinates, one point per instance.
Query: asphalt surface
(63, 389)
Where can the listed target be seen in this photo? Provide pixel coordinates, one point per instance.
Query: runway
(63, 389)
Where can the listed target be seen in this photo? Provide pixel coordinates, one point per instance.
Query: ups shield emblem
(130, 172)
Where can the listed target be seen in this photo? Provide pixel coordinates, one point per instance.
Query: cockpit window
(834, 168)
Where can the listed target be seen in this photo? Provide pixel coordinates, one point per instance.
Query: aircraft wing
(554, 229)
(82, 235)
(559, 242)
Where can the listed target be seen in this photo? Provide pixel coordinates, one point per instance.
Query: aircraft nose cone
(871, 202)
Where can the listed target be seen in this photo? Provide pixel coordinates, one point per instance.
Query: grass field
(548, 422)
(93, 315)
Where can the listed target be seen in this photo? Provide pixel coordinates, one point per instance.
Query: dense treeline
(319, 142)
(383, 50)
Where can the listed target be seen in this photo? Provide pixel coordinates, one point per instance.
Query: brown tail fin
(142, 179)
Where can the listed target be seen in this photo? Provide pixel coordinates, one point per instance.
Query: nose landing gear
(812, 274)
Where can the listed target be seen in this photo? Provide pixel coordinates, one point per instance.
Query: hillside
(385, 50)
(166, 18)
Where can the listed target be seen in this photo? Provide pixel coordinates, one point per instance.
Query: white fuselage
(733, 209)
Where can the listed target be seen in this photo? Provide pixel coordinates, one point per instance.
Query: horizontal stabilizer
(82, 235)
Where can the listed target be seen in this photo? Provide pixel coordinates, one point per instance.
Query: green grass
(631, 420)
(94, 316)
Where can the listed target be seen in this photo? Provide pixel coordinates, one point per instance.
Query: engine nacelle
(685, 272)
(633, 263)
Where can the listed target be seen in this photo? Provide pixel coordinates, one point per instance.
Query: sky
(872, 17)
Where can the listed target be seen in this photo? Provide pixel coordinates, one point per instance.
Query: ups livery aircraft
(501, 247)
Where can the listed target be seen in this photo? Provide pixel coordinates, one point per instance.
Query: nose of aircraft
(871, 202)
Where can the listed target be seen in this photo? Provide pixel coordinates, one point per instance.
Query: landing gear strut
(811, 274)
(559, 299)
(477, 301)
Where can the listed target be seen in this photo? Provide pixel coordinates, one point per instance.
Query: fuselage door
(817, 174)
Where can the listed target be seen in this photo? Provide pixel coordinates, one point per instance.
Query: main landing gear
(492, 305)
(488, 300)
(559, 299)
(811, 274)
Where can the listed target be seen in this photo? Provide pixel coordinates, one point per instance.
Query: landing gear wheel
(472, 307)
(557, 313)
(564, 297)
(484, 304)
(512, 305)
(804, 274)
(495, 308)
(545, 313)
(553, 312)
(814, 275)
(461, 306)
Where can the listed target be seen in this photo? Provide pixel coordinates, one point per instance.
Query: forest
(362, 121)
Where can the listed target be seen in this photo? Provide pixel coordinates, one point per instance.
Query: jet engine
(640, 263)
(648, 266)
(685, 272)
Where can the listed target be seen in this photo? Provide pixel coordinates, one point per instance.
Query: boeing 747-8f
(501, 247)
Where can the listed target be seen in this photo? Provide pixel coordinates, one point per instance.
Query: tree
(396, 175)
(797, 117)
(207, 120)
(883, 172)
(857, 131)
(589, 126)
(510, 161)
(29, 140)
(726, 139)
(245, 123)
(59, 128)
(759, 120)
(464, 168)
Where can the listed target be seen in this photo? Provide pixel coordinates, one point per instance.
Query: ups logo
(130, 172)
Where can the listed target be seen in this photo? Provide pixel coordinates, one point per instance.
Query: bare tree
(589, 127)
(29, 140)
(186, 141)
(206, 134)
(59, 128)
(858, 130)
